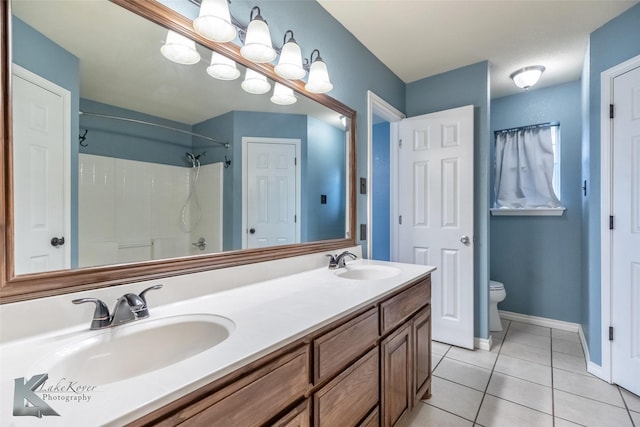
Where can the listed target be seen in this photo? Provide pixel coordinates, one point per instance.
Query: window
(527, 171)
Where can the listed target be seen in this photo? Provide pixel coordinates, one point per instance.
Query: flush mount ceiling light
(257, 44)
(527, 76)
(283, 95)
(180, 49)
(222, 68)
(255, 83)
(214, 21)
(318, 75)
(290, 63)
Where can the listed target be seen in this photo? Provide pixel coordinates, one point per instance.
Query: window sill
(528, 212)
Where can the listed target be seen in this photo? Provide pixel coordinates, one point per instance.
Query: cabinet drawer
(400, 307)
(350, 396)
(260, 396)
(336, 349)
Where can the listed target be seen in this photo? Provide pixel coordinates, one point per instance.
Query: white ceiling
(422, 38)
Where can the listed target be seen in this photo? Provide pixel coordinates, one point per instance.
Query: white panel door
(271, 204)
(41, 173)
(436, 208)
(625, 286)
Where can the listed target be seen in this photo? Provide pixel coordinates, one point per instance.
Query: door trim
(23, 73)
(246, 140)
(606, 206)
(378, 106)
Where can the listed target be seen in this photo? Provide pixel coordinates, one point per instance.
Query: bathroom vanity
(319, 347)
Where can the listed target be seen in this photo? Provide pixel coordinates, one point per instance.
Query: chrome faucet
(129, 307)
(337, 261)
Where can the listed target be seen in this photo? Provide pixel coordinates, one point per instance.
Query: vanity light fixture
(214, 21)
(290, 62)
(222, 67)
(180, 49)
(526, 77)
(255, 82)
(318, 75)
(257, 44)
(283, 95)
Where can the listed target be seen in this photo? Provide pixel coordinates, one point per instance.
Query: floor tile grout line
(633, 424)
(592, 399)
(475, 420)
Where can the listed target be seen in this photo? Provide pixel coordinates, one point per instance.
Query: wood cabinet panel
(334, 350)
(397, 368)
(259, 397)
(349, 397)
(399, 308)
(421, 325)
(300, 416)
(372, 420)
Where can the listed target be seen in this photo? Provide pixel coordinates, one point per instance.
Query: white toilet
(496, 295)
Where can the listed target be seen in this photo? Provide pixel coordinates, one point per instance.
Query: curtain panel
(524, 169)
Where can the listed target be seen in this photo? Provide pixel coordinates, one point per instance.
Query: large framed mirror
(158, 169)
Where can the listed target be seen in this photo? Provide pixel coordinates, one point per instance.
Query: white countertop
(267, 315)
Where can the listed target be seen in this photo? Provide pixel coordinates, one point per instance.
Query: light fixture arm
(291, 39)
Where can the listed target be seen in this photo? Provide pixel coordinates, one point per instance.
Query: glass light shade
(318, 78)
(528, 76)
(180, 49)
(290, 62)
(222, 68)
(257, 46)
(283, 95)
(255, 83)
(214, 21)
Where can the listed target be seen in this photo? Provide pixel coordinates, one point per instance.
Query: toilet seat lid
(495, 286)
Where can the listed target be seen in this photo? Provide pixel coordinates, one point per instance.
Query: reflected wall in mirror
(124, 156)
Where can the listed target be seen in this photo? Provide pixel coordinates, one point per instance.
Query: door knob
(57, 241)
(252, 231)
(464, 240)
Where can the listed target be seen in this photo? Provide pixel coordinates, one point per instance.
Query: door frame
(606, 205)
(23, 73)
(381, 108)
(246, 140)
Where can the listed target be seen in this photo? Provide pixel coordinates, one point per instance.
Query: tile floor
(534, 376)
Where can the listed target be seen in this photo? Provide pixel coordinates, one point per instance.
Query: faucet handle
(333, 260)
(147, 290)
(101, 316)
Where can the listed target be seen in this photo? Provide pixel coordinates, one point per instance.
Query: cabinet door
(397, 368)
(298, 417)
(421, 332)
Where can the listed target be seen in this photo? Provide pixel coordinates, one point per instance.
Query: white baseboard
(483, 344)
(541, 321)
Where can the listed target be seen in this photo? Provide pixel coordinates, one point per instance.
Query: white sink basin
(122, 352)
(366, 272)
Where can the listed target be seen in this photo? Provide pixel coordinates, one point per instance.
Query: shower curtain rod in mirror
(108, 116)
(539, 125)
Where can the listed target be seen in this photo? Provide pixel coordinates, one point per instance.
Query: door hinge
(295, 218)
(610, 222)
(295, 161)
(399, 143)
(610, 333)
(611, 111)
(400, 220)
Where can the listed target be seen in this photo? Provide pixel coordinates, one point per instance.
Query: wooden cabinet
(405, 369)
(367, 369)
(349, 397)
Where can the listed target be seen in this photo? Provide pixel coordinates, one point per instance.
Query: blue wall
(466, 86)
(380, 194)
(538, 258)
(611, 44)
(38, 54)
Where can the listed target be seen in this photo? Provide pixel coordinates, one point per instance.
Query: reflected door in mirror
(40, 161)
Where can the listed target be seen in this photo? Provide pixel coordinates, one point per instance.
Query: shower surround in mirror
(132, 211)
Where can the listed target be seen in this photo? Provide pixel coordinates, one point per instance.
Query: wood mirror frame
(23, 287)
